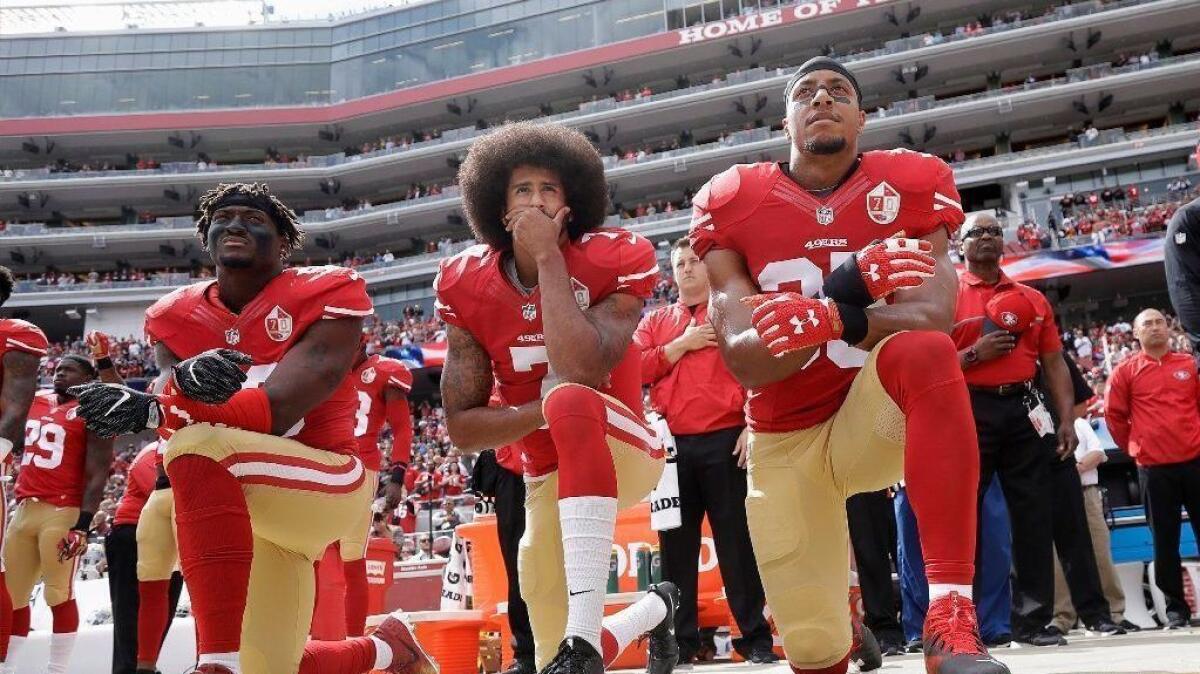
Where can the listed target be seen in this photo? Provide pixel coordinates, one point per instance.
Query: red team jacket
(697, 394)
(52, 466)
(139, 483)
(790, 239)
(474, 293)
(371, 380)
(192, 319)
(1152, 408)
(1021, 363)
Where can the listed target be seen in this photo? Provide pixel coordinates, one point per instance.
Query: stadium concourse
(1074, 124)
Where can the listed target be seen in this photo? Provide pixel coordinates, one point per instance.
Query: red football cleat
(952, 643)
(407, 655)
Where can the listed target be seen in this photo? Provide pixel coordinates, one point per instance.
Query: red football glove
(98, 344)
(72, 544)
(879, 270)
(788, 322)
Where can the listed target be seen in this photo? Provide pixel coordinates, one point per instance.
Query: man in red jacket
(702, 403)
(1153, 414)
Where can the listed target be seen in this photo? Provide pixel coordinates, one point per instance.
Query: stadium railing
(459, 135)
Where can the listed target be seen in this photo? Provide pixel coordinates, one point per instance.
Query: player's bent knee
(200, 439)
(572, 400)
(912, 361)
(813, 646)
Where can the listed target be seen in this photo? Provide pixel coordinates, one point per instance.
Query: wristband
(845, 285)
(854, 323)
(104, 363)
(84, 523)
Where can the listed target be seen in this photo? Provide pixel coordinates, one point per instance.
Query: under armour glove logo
(787, 322)
(812, 318)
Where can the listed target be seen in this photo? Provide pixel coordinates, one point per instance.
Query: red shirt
(18, 335)
(1153, 408)
(1020, 364)
(192, 319)
(790, 239)
(139, 483)
(696, 394)
(55, 457)
(372, 379)
(475, 294)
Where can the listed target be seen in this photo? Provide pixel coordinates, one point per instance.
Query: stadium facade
(353, 121)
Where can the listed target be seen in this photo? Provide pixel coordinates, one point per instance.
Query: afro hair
(484, 175)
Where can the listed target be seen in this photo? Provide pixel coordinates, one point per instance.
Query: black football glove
(213, 376)
(110, 410)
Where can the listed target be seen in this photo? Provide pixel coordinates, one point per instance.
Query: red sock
(609, 650)
(920, 371)
(578, 421)
(6, 618)
(153, 601)
(356, 597)
(352, 656)
(65, 617)
(838, 667)
(20, 622)
(216, 546)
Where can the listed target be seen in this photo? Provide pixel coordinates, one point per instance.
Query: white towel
(456, 577)
(664, 500)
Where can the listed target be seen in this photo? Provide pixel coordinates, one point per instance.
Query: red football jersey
(790, 239)
(371, 380)
(55, 453)
(139, 483)
(18, 335)
(192, 320)
(475, 294)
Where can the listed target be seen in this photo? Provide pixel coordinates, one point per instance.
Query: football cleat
(952, 642)
(864, 649)
(575, 656)
(407, 655)
(521, 666)
(663, 649)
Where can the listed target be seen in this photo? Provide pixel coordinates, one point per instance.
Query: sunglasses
(976, 232)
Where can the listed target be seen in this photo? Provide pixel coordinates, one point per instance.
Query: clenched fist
(879, 270)
(787, 322)
(213, 376)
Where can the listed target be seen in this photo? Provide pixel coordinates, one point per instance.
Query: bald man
(1153, 413)
(1004, 330)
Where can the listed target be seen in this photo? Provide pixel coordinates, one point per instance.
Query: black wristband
(845, 284)
(104, 363)
(854, 323)
(84, 523)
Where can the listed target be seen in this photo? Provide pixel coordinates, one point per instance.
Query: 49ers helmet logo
(1008, 318)
(279, 324)
(883, 204)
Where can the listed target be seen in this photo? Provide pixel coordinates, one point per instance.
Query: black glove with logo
(110, 410)
(213, 376)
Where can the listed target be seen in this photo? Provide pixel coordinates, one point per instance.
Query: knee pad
(912, 362)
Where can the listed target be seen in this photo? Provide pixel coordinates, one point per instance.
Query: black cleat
(1047, 636)
(575, 656)
(952, 642)
(864, 649)
(762, 655)
(1130, 626)
(663, 649)
(521, 666)
(1105, 627)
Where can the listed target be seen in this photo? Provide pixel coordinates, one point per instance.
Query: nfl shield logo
(883, 204)
(583, 296)
(232, 336)
(279, 324)
(824, 215)
(529, 311)
(368, 375)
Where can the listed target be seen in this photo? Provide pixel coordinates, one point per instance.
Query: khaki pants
(158, 554)
(796, 508)
(31, 552)
(1064, 612)
(300, 500)
(540, 562)
(353, 545)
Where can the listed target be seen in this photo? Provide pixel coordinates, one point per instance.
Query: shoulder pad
(315, 279)
(453, 269)
(906, 170)
(184, 298)
(24, 336)
(733, 193)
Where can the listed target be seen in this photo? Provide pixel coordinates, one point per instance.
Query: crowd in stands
(1103, 215)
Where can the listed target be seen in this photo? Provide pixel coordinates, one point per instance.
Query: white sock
(228, 660)
(635, 620)
(14, 646)
(587, 535)
(937, 590)
(61, 645)
(383, 654)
